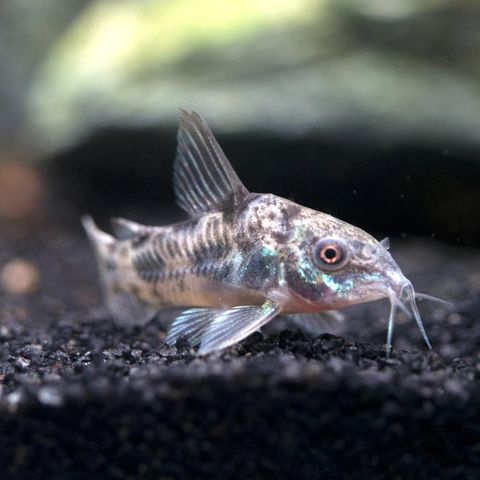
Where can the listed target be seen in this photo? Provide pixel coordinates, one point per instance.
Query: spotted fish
(241, 258)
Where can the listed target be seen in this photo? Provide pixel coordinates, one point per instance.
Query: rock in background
(367, 110)
(397, 71)
(27, 30)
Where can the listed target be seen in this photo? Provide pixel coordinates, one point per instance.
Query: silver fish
(241, 258)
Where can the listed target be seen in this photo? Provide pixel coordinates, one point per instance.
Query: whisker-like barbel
(416, 314)
(402, 307)
(394, 303)
(424, 296)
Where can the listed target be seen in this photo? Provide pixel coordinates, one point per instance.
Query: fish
(241, 258)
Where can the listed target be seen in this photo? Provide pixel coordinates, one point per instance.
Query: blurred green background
(367, 110)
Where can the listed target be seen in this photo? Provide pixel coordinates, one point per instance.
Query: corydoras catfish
(241, 258)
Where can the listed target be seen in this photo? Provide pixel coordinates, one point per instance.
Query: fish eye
(330, 254)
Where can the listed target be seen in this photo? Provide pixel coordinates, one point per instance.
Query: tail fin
(102, 242)
(125, 308)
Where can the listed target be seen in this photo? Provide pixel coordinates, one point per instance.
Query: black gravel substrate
(82, 398)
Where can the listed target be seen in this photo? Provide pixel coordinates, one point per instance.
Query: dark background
(406, 190)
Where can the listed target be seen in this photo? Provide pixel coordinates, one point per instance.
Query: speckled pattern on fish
(241, 258)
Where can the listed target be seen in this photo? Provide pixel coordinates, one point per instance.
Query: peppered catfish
(241, 258)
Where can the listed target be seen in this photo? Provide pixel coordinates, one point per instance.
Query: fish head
(331, 264)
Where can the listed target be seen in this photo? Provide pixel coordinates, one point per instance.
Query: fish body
(241, 258)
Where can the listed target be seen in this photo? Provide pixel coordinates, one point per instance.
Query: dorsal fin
(203, 178)
(125, 229)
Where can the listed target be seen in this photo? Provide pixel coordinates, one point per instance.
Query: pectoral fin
(191, 323)
(385, 243)
(315, 324)
(233, 325)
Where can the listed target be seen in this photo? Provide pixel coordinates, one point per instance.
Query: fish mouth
(404, 298)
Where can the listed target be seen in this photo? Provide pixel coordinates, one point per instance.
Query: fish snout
(396, 283)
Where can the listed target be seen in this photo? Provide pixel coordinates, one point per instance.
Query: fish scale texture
(82, 398)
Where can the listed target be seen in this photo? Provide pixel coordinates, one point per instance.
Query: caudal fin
(125, 307)
(102, 242)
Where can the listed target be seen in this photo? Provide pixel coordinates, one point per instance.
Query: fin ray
(191, 323)
(100, 240)
(203, 178)
(385, 243)
(233, 325)
(125, 308)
